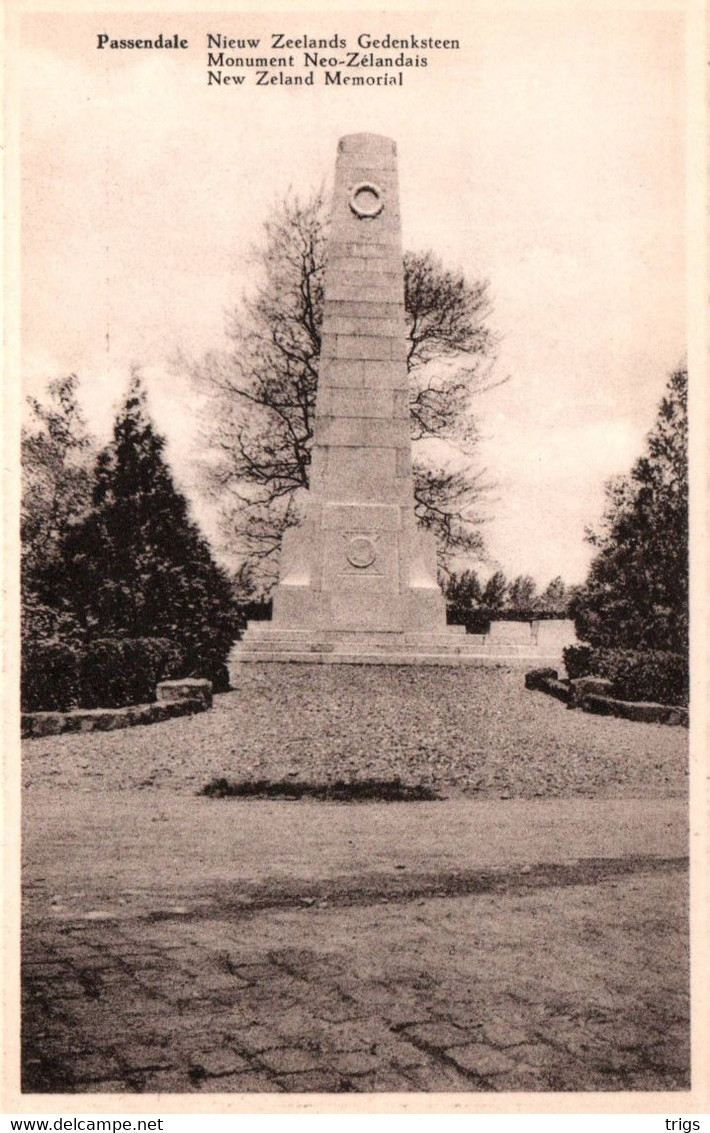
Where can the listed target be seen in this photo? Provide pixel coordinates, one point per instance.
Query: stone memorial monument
(358, 578)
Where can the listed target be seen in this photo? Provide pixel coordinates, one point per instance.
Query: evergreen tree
(555, 597)
(636, 594)
(463, 595)
(136, 565)
(57, 453)
(495, 591)
(522, 593)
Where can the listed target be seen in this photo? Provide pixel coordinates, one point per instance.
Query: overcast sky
(545, 155)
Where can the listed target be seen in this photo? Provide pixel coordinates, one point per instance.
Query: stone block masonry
(173, 699)
(359, 564)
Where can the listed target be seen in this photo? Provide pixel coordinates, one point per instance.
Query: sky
(545, 155)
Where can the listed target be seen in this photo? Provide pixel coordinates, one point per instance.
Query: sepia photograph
(354, 567)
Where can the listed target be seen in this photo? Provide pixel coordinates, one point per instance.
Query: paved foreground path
(181, 945)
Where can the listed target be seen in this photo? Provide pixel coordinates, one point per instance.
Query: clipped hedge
(118, 671)
(107, 673)
(477, 619)
(636, 675)
(50, 679)
(578, 660)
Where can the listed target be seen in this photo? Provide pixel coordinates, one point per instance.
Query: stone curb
(647, 712)
(185, 688)
(586, 693)
(37, 724)
(546, 680)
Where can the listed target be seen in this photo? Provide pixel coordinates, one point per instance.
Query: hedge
(50, 678)
(107, 673)
(119, 671)
(478, 618)
(641, 675)
(578, 661)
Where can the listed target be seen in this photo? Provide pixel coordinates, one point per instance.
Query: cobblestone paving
(580, 987)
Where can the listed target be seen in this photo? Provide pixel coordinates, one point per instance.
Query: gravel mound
(474, 731)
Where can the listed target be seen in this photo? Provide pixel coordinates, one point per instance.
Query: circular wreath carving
(361, 552)
(366, 200)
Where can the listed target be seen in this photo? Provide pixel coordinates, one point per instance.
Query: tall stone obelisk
(359, 564)
(358, 577)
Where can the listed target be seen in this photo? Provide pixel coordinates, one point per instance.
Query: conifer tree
(636, 593)
(136, 565)
(495, 591)
(57, 455)
(522, 593)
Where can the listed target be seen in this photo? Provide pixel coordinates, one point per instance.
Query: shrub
(148, 661)
(103, 678)
(256, 610)
(536, 678)
(477, 619)
(206, 650)
(577, 659)
(649, 675)
(50, 677)
(118, 671)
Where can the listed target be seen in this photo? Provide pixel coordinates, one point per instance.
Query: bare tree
(261, 393)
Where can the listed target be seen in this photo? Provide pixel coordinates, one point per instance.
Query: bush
(47, 625)
(577, 659)
(342, 790)
(477, 619)
(255, 610)
(115, 672)
(207, 656)
(149, 660)
(50, 677)
(648, 675)
(536, 678)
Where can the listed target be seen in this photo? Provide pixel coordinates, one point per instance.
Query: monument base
(355, 567)
(264, 642)
(359, 587)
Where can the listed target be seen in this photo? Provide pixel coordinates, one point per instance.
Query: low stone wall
(186, 688)
(173, 698)
(550, 635)
(546, 680)
(591, 695)
(646, 711)
(582, 687)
